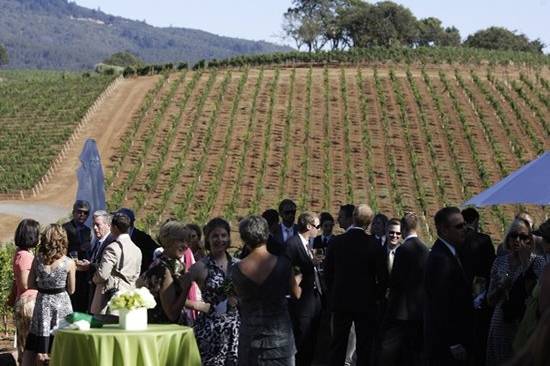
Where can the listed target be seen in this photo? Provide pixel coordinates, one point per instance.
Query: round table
(160, 344)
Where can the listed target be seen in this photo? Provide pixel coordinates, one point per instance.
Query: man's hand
(458, 352)
(82, 265)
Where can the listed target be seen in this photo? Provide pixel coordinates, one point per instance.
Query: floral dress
(217, 332)
(52, 304)
(502, 332)
(153, 280)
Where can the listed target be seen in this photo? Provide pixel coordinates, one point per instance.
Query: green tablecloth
(159, 345)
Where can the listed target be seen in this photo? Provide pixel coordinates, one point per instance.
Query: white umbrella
(528, 185)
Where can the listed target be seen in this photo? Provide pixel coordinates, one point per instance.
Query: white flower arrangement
(132, 299)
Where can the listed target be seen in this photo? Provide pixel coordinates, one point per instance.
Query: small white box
(135, 319)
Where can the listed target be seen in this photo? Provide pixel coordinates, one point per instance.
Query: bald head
(362, 216)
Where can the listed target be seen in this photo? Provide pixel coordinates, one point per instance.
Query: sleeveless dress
(266, 336)
(217, 332)
(52, 304)
(502, 333)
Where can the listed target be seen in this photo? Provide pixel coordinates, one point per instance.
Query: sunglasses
(288, 212)
(522, 237)
(397, 233)
(82, 212)
(460, 226)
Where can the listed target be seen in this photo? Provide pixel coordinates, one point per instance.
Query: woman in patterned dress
(513, 277)
(53, 275)
(162, 278)
(217, 326)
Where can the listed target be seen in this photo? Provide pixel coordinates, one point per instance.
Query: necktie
(391, 257)
(316, 277)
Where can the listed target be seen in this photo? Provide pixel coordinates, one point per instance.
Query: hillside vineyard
(233, 142)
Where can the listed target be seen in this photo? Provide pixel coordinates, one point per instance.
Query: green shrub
(6, 280)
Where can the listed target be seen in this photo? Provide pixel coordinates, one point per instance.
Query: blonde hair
(53, 243)
(518, 222)
(172, 231)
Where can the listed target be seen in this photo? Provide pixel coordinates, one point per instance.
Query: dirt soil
(54, 202)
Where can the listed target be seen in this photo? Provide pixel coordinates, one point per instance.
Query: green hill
(57, 34)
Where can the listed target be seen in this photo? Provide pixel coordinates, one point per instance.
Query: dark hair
(196, 228)
(347, 210)
(305, 219)
(381, 216)
(286, 202)
(254, 231)
(544, 230)
(409, 222)
(214, 224)
(325, 216)
(470, 214)
(27, 234)
(393, 221)
(271, 215)
(122, 222)
(441, 217)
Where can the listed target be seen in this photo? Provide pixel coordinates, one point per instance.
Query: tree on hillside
(123, 59)
(4, 59)
(498, 38)
(303, 23)
(432, 33)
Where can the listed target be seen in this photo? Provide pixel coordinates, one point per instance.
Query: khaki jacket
(118, 268)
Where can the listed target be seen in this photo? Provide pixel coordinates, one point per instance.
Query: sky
(262, 19)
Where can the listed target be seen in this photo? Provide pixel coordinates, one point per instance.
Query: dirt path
(55, 200)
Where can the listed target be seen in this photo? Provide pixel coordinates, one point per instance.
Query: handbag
(110, 292)
(513, 308)
(10, 301)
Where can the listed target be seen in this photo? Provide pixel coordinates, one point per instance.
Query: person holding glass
(513, 277)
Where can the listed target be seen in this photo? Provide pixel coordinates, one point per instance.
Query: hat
(81, 205)
(129, 213)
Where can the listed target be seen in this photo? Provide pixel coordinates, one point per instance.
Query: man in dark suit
(286, 229)
(378, 228)
(327, 224)
(143, 240)
(357, 276)
(79, 236)
(345, 216)
(479, 254)
(448, 311)
(305, 312)
(402, 329)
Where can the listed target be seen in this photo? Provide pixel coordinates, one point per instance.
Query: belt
(51, 291)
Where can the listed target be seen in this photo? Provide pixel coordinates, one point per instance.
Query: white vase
(135, 319)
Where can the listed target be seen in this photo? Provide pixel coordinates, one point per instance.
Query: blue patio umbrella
(90, 178)
(528, 185)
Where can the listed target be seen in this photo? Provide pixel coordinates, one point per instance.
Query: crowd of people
(389, 299)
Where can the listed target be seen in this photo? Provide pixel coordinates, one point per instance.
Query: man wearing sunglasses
(305, 312)
(402, 329)
(79, 236)
(448, 304)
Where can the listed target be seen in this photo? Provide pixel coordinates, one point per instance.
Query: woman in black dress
(262, 281)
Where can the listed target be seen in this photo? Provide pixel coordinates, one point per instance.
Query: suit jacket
(478, 255)
(406, 289)
(318, 242)
(306, 304)
(118, 268)
(355, 272)
(448, 309)
(278, 234)
(80, 243)
(147, 246)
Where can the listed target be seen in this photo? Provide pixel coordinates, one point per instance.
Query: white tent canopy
(528, 185)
